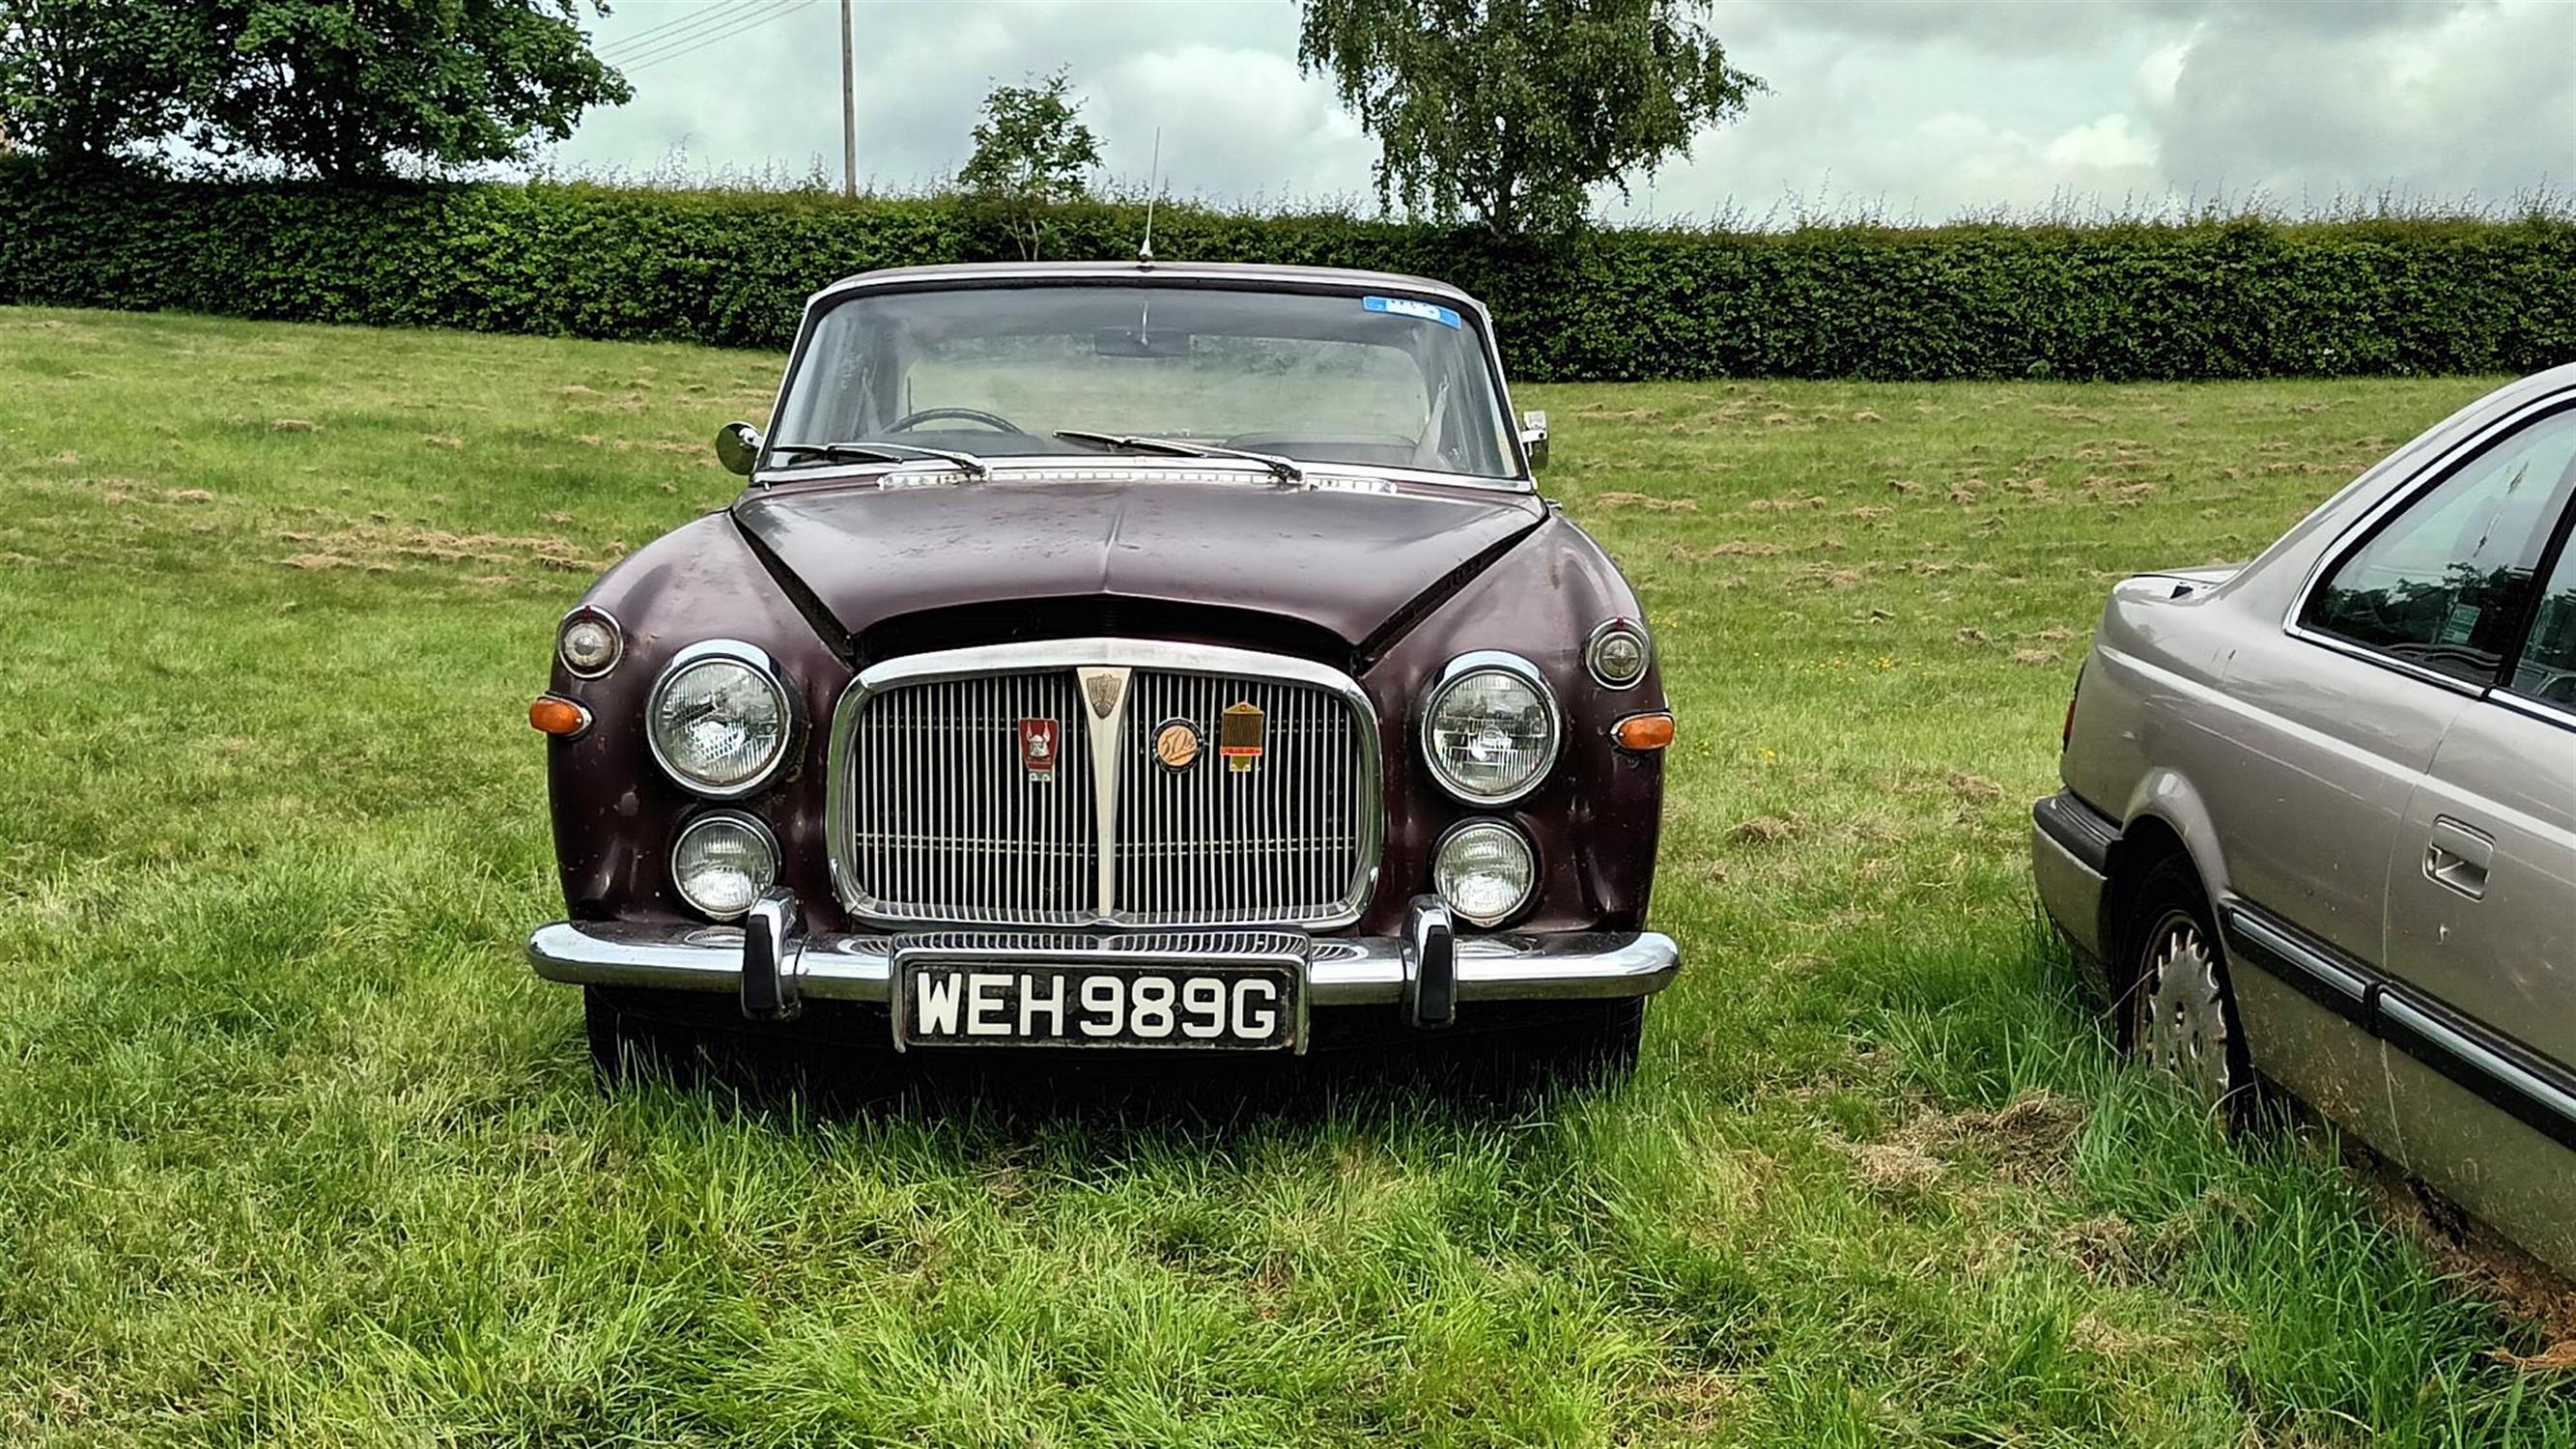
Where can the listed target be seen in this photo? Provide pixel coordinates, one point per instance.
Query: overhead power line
(710, 32)
(690, 16)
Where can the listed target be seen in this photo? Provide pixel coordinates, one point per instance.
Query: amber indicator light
(550, 715)
(1643, 732)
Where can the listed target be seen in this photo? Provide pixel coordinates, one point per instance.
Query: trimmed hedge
(2215, 300)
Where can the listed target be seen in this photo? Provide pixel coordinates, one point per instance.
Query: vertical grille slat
(951, 829)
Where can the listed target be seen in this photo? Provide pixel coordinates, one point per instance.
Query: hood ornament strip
(1104, 695)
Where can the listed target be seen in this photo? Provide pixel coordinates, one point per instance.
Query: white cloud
(1922, 107)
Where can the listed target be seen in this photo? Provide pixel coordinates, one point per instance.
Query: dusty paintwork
(2313, 781)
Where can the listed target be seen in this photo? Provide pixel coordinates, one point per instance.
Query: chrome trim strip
(1340, 971)
(2317, 970)
(1510, 663)
(2530, 708)
(2535, 1092)
(983, 661)
(760, 662)
(1103, 693)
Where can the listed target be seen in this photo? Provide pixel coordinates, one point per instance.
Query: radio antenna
(1153, 188)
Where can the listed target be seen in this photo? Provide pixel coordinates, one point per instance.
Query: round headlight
(1618, 653)
(1490, 729)
(718, 718)
(722, 863)
(589, 642)
(1486, 871)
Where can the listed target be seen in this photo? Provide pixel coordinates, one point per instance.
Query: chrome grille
(950, 828)
(935, 821)
(1208, 845)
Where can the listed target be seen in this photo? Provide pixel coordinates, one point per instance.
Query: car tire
(2178, 1012)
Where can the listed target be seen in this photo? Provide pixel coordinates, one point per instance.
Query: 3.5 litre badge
(1239, 737)
(1038, 750)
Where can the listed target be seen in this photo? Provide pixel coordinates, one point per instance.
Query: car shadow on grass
(838, 1064)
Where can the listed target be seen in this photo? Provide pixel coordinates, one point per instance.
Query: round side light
(722, 863)
(1486, 871)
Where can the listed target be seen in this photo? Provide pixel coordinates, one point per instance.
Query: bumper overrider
(772, 965)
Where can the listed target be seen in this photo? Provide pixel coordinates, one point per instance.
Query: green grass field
(294, 1150)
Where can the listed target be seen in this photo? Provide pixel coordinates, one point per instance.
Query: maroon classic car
(1116, 656)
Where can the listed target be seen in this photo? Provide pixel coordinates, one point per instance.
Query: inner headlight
(1490, 729)
(722, 863)
(1485, 870)
(718, 719)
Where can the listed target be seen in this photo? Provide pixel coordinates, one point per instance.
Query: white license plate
(1020, 1003)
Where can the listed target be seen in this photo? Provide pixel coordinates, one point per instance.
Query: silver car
(2319, 820)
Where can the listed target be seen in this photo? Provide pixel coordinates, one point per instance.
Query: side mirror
(1534, 438)
(738, 447)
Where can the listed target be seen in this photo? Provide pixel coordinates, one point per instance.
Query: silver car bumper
(1424, 971)
(2070, 863)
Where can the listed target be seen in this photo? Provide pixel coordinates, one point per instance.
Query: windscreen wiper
(886, 453)
(1288, 471)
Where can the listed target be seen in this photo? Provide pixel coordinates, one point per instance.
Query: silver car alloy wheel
(2182, 1026)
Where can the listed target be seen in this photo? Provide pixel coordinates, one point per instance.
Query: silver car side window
(2443, 582)
(2547, 668)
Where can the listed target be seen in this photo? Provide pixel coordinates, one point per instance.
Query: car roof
(1339, 278)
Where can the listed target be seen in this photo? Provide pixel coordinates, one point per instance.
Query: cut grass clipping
(294, 1150)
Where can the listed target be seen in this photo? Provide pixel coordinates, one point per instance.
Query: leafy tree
(342, 88)
(1031, 151)
(1512, 110)
(86, 81)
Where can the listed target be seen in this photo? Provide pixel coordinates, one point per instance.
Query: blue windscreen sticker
(1407, 307)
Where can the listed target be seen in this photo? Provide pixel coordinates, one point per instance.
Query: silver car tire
(2179, 1014)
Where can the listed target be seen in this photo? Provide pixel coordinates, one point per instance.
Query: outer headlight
(1485, 870)
(722, 863)
(1489, 730)
(719, 719)
(1618, 653)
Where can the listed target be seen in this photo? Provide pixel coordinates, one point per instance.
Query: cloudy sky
(1914, 108)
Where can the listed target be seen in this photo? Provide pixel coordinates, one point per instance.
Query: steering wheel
(995, 421)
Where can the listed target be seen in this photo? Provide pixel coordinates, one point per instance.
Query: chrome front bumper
(1424, 971)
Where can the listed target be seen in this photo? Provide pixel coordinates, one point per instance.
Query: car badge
(1037, 749)
(1176, 745)
(1238, 737)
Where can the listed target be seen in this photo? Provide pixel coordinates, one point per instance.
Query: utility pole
(849, 113)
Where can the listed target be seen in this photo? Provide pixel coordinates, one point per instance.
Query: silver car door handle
(2458, 856)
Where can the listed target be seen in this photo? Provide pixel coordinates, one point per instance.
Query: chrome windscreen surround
(1473, 662)
(1110, 838)
(758, 660)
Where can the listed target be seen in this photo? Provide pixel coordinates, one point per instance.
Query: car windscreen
(1373, 380)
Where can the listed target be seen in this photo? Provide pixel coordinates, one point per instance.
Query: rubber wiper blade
(881, 452)
(1139, 443)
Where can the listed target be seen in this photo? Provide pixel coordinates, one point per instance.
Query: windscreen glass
(1372, 381)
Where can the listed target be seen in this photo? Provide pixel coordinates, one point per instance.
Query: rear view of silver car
(2319, 821)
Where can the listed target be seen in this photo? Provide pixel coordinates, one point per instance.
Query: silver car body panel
(2335, 802)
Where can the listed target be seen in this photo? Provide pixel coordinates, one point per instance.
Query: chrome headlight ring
(760, 870)
(1603, 653)
(752, 658)
(1463, 669)
(565, 642)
